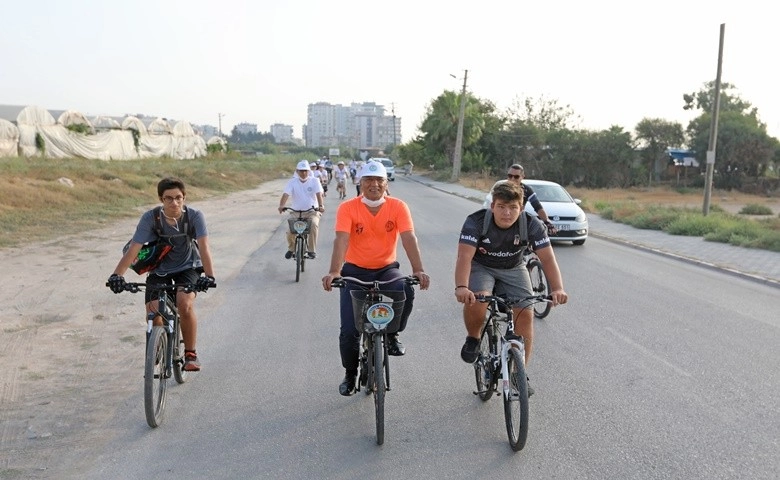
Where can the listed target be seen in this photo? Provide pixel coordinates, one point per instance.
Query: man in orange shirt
(367, 231)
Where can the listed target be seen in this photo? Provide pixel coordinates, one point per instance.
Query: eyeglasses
(513, 177)
(177, 199)
(373, 179)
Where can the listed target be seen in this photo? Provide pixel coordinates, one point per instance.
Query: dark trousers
(349, 338)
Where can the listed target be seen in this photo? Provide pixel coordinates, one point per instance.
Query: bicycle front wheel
(179, 373)
(516, 401)
(540, 287)
(483, 367)
(379, 388)
(298, 258)
(154, 376)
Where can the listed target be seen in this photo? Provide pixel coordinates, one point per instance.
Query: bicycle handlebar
(505, 303)
(135, 287)
(341, 282)
(310, 209)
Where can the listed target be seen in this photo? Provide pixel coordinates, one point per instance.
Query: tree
(743, 146)
(440, 125)
(656, 136)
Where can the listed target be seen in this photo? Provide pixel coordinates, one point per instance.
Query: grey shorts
(512, 282)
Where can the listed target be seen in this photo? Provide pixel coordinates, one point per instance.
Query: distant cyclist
(306, 192)
(341, 174)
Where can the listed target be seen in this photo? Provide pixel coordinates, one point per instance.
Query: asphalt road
(655, 369)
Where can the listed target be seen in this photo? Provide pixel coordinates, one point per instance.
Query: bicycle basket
(299, 226)
(380, 313)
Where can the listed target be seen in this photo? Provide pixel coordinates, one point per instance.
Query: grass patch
(755, 209)
(36, 206)
(718, 226)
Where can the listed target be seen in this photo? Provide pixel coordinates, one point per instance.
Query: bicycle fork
(505, 379)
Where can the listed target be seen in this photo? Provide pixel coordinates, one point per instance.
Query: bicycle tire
(540, 287)
(304, 246)
(379, 388)
(483, 367)
(516, 402)
(179, 373)
(298, 258)
(155, 384)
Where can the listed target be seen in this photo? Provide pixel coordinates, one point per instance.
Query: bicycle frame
(166, 308)
(501, 350)
(300, 227)
(373, 320)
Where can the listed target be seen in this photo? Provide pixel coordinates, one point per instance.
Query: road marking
(648, 352)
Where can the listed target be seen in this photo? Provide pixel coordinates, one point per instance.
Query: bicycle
(539, 282)
(502, 357)
(300, 227)
(377, 314)
(164, 348)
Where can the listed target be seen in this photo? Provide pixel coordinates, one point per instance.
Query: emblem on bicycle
(380, 314)
(300, 226)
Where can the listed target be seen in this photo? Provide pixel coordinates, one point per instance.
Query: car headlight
(581, 218)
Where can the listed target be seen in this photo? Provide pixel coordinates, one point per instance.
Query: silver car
(562, 209)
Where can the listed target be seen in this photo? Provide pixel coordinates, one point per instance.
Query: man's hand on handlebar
(424, 278)
(116, 283)
(204, 283)
(327, 281)
(465, 296)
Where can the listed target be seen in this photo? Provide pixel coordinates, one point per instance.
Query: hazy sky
(263, 61)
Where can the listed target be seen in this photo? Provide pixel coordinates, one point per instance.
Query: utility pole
(459, 138)
(713, 128)
(220, 123)
(392, 109)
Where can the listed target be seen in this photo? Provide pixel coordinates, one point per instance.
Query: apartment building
(359, 125)
(282, 133)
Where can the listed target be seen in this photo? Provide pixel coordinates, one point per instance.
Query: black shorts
(184, 277)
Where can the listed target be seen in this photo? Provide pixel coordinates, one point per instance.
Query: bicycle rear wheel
(298, 258)
(516, 401)
(483, 368)
(540, 287)
(155, 384)
(179, 373)
(379, 388)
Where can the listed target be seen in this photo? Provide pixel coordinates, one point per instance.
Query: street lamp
(459, 137)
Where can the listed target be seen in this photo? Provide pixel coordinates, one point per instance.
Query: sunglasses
(514, 177)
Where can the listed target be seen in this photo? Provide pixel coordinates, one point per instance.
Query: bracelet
(461, 286)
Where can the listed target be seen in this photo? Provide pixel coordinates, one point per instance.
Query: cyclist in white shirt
(341, 174)
(306, 192)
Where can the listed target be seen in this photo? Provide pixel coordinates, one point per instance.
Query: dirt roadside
(65, 338)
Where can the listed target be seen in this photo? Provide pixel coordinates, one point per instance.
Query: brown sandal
(191, 363)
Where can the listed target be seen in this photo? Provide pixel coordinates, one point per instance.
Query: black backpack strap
(486, 223)
(158, 226)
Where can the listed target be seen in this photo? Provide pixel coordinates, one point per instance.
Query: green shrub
(755, 209)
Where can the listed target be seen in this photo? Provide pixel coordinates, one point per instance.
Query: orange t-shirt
(373, 239)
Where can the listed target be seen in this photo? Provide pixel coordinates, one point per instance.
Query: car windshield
(551, 193)
(387, 163)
